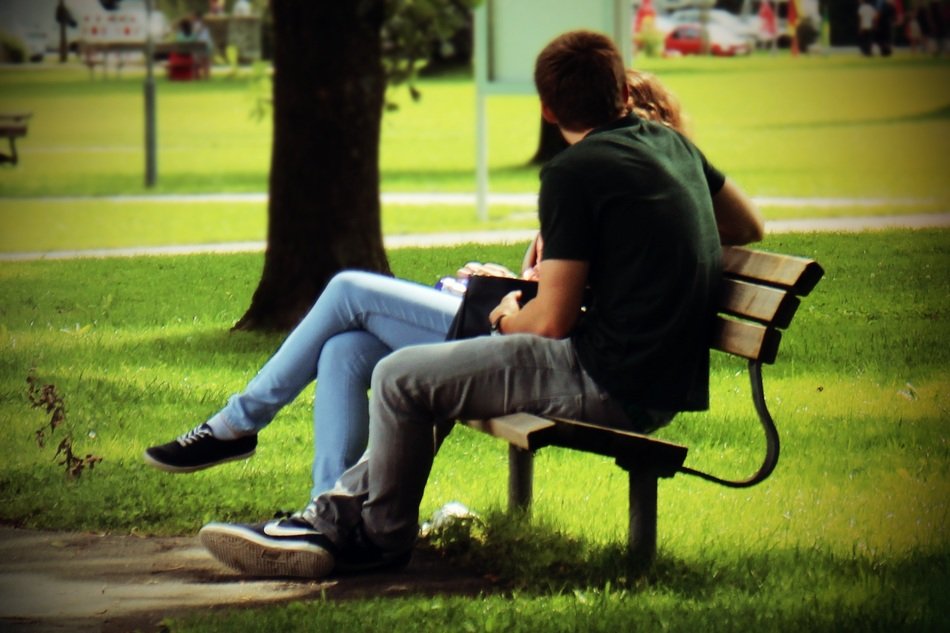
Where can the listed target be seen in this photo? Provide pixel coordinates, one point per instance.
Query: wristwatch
(496, 326)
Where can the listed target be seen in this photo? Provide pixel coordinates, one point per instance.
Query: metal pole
(704, 23)
(61, 18)
(151, 169)
(482, 24)
(481, 157)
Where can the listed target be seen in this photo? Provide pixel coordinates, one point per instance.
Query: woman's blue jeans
(358, 319)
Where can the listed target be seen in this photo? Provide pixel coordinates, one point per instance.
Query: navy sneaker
(358, 554)
(362, 556)
(277, 548)
(198, 449)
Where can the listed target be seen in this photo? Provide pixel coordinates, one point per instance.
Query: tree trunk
(324, 211)
(550, 143)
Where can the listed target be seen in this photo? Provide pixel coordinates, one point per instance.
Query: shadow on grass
(533, 557)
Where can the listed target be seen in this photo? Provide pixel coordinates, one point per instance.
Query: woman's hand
(490, 270)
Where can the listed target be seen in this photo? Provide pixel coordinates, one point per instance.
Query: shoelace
(195, 434)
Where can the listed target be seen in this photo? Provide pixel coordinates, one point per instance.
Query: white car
(32, 38)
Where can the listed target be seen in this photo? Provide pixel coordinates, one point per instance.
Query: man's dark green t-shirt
(634, 199)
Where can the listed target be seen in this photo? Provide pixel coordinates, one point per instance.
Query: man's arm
(737, 218)
(554, 312)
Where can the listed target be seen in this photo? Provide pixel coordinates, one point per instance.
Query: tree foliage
(412, 31)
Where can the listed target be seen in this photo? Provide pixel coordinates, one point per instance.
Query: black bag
(483, 295)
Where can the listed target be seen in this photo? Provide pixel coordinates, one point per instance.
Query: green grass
(825, 126)
(850, 533)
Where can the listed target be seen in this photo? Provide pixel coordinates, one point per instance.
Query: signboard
(118, 26)
(509, 34)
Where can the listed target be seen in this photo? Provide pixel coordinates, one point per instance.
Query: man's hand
(555, 310)
(510, 304)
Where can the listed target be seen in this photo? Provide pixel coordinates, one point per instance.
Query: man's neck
(573, 137)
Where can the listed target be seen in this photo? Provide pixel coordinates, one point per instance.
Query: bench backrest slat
(764, 304)
(761, 291)
(797, 274)
(749, 340)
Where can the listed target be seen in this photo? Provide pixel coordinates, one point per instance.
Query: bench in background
(760, 294)
(13, 125)
(186, 60)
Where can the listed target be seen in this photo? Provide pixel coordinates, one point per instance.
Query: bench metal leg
(12, 157)
(641, 540)
(520, 478)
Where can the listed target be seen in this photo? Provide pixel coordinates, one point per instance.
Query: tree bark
(550, 142)
(324, 210)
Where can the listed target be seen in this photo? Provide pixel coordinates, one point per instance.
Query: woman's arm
(737, 218)
(531, 262)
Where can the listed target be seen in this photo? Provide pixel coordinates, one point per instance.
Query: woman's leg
(341, 404)
(397, 312)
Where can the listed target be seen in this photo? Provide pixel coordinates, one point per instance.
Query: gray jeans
(417, 392)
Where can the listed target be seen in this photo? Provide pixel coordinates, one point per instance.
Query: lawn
(850, 533)
(833, 126)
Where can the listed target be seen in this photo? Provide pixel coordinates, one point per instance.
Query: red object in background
(687, 39)
(767, 15)
(792, 14)
(181, 67)
(646, 10)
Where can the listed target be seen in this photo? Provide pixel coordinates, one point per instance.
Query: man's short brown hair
(580, 77)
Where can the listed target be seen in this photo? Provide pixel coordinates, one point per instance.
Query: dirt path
(51, 581)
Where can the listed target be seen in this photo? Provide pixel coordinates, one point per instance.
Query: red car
(687, 39)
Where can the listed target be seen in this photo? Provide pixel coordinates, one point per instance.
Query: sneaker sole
(255, 555)
(171, 468)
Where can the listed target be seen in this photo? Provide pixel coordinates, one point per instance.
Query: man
(630, 212)
(886, 19)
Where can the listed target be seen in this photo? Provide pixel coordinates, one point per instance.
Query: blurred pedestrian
(938, 25)
(914, 31)
(867, 17)
(886, 19)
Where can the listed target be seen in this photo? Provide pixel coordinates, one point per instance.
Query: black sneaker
(277, 548)
(198, 449)
(359, 554)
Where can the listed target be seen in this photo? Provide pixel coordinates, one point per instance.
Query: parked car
(749, 30)
(687, 39)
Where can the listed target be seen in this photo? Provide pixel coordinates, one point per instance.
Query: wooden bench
(760, 294)
(13, 125)
(187, 60)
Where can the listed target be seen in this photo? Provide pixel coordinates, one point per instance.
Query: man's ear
(548, 115)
